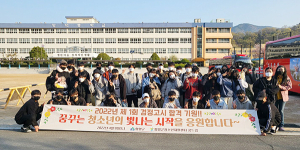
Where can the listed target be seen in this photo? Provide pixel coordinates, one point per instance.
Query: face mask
(99, 68)
(81, 79)
(70, 71)
(178, 71)
(241, 97)
(80, 68)
(194, 75)
(171, 68)
(280, 72)
(36, 98)
(63, 68)
(161, 67)
(148, 69)
(59, 97)
(219, 73)
(188, 69)
(216, 98)
(110, 67)
(269, 74)
(195, 99)
(131, 69)
(146, 100)
(151, 75)
(172, 76)
(73, 98)
(171, 99)
(114, 76)
(97, 75)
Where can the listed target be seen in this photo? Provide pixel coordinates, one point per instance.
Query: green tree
(38, 53)
(154, 56)
(184, 60)
(103, 56)
(173, 58)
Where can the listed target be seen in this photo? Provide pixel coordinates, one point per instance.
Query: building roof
(114, 25)
(67, 17)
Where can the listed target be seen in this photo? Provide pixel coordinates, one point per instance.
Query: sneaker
(281, 129)
(32, 128)
(273, 131)
(25, 129)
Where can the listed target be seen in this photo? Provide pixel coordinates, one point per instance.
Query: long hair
(284, 76)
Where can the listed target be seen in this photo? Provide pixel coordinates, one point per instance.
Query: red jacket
(192, 86)
(106, 75)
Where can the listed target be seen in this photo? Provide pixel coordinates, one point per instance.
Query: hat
(63, 62)
(261, 95)
(146, 95)
(97, 71)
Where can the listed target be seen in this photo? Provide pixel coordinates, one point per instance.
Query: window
(148, 30)
(48, 30)
(123, 50)
(24, 31)
(86, 50)
(145, 58)
(1, 30)
(185, 40)
(185, 30)
(11, 30)
(211, 40)
(36, 40)
(123, 30)
(61, 40)
(85, 40)
(123, 40)
(160, 50)
(98, 40)
(110, 50)
(148, 50)
(160, 40)
(49, 40)
(24, 50)
(12, 40)
(136, 59)
(61, 30)
(136, 50)
(185, 50)
(173, 30)
(135, 40)
(73, 30)
(110, 40)
(2, 40)
(211, 30)
(36, 31)
(160, 30)
(224, 30)
(50, 50)
(98, 50)
(110, 30)
(85, 30)
(73, 40)
(24, 40)
(211, 50)
(223, 40)
(125, 59)
(98, 30)
(135, 30)
(12, 50)
(61, 50)
(148, 40)
(223, 50)
(173, 50)
(173, 40)
(2, 50)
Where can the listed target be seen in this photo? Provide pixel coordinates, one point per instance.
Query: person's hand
(87, 104)
(89, 82)
(208, 104)
(210, 77)
(187, 81)
(36, 128)
(69, 103)
(279, 86)
(234, 104)
(124, 100)
(115, 101)
(56, 76)
(111, 83)
(51, 102)
(157, 75)
(263, 134)
(132, 91)
(256, 109)
(186, 106)
(224, 74)
(151, 86)
(76, 84)
(123, 71)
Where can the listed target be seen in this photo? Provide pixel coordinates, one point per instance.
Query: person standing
(227, 87)
(171, 84)
(108, 74)
(191, 85)
(150, 84)
(146, 74)
(133, 84)
(99, 67)
(99, 87)
(147, 102)
(81, 69)
(117, 85)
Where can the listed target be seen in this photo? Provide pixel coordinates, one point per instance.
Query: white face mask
(146, 100)
(81, 79)
(178, 71)
(188, 69)
(269, 74)
(151, 75)
(195, 99)
(80, 68)
(161, 67)
(194, 74)
(131, 69)
(171, 68)
(172, 76)
(97, 75)
(219, 73)
(110, 67)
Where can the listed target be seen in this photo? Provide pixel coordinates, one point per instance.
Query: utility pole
(250, 52)
(290, 34)
(259, 54)
(234, 50)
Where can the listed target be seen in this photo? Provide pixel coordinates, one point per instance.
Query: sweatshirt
(132, 81)
(246, 104)
(192, 86)
(227, 87)
(99, 88)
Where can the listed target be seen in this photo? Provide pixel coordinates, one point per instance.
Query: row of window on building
(218, 30)
(217, 40)
(98, 30)
(93, 40)
(217, 50)
(101, 50)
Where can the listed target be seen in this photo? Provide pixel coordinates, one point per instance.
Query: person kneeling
(242, 101)
(268, 115)
(196, 102)
(172, 103)
(111, 101)
(58, 99)
(147, 102)
(76, 100)
(216, 102)
(29, 113)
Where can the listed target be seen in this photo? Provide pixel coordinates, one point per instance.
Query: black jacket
(83, 90)
(51, 80)
(56, 102)
(209, 87)
(250, 78)
(80, 102)
(122, 87)
(271, 88)
(29, 108)
(268, 115)
(201, 104)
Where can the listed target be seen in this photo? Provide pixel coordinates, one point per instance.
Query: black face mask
(114, 76)
(99, 68)
(216, 98)
(59, 97)
(241, 97)
(63, 68)
(280, 72)
(148, 69)
(36, 98)
(171, 99)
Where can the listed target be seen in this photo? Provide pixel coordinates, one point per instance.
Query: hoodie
(246, 104)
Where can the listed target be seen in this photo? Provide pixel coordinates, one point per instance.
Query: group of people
(174, 88)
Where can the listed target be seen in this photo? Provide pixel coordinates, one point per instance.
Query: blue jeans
(280, 104)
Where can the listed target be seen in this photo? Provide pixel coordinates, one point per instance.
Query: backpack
(138, 92)
(155, 94)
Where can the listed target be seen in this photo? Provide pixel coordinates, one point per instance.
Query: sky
(276, 13)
